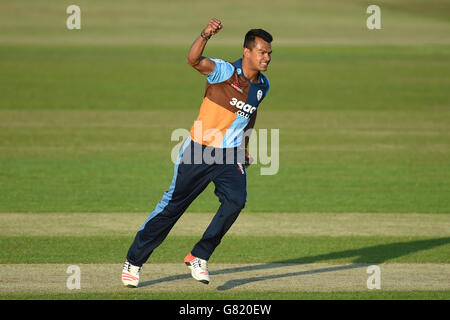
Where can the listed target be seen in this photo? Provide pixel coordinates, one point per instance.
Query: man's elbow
(192, 62)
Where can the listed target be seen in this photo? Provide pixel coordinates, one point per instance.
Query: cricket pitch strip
(175, 277)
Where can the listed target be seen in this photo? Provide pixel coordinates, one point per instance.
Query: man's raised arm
(195, 58)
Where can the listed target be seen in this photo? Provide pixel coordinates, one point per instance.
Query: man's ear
(246, 52)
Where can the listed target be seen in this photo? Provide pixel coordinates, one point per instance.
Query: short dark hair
(249, 40)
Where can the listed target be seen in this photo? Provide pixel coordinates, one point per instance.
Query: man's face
(258, 57)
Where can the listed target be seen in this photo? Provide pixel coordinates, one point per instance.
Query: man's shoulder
(264, 80)
(223, 71)
(218, 60)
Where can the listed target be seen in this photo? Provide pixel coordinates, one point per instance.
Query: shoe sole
(193, 276)
(129, 285)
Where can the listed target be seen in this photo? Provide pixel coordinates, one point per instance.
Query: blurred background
(86, 115)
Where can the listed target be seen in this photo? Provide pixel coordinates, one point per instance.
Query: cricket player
(215, 151)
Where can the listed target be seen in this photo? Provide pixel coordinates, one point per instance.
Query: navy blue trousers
(192, 174)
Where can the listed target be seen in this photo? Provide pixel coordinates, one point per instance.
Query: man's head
(257, 49)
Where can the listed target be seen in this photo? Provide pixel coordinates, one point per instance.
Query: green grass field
(86, 118)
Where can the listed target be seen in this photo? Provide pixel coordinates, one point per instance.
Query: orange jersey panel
(212, 124)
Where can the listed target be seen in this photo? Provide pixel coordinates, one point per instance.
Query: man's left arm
(195, 58)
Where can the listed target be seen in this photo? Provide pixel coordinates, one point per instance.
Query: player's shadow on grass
(361, 258)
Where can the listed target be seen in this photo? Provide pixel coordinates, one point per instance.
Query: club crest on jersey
(259, 95)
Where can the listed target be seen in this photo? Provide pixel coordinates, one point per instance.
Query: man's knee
(237, 202)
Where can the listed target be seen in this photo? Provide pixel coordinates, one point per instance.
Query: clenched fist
(212, 28)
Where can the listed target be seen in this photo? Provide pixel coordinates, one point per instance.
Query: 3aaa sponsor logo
(245, 109)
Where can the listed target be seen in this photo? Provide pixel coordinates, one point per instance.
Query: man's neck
(250, 74)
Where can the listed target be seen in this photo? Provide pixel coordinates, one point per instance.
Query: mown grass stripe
(249, 295)
(175, 277)
(248, 224)
(295, 249)
(332, 161)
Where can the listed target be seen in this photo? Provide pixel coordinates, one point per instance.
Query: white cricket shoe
(199, 268)
(130, 275)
